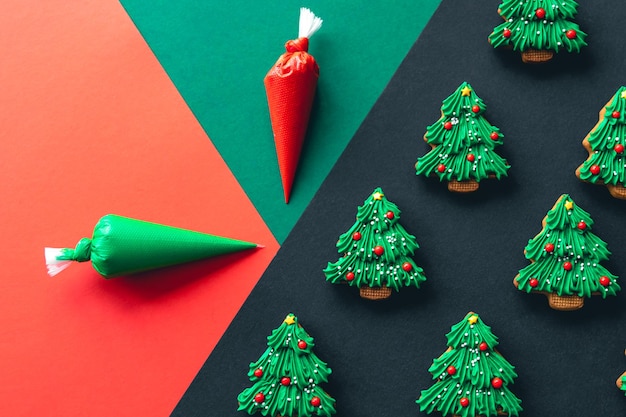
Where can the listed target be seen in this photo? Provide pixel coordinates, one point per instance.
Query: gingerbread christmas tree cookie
(471, 377)
(287, 376)
(565, 259)
(463, 144)
(538, 28)
(621, 382)
(605, 143)
(376, 251)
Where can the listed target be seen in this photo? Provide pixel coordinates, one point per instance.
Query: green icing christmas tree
(376, 251)
(471, 377)
(621, 382)
(286, 377)
(565, 259)
(538, 28)
(463, 143)
(605, 143)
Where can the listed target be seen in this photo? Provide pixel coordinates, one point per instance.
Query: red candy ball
(285, 381)
(616, 114)
(356, 236)
(533, 282)
(390, 215)
(302, 344)
(259, 398)
(315, 401)
(483, 346)
(540, 13)
(567, 266)
(594, 169)
(475, 108)
(350, 276)
(496, 383)
(605, 281)
(470, 157)
(506, 33)
(451, 370)
(582, 225)
(549, 247)
(464, 402)
(258, 372)
(570, 34)
(447, 125)
(407, 266)
(379, 250)
(619, 148)
(441, 167)
(494, 136)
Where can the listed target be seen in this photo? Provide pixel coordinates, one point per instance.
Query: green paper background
(217, 53)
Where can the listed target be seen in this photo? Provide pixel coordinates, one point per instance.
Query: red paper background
(91, 125)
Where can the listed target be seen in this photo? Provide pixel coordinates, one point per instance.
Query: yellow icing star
(465, 91)
(378, 196)
(569, 204)
(624, 94)
(473, 319)
(290, 319)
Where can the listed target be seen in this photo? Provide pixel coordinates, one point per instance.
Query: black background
(471, 245)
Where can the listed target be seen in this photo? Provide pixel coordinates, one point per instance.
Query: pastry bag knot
(82, 251)
(298, 45)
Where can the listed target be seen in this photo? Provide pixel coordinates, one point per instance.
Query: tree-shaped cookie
(538, 28)
(376, 251)
(286, 377)
(605, 143)
(621, 382)
(471, 377)
(565, 259)
(462, 143)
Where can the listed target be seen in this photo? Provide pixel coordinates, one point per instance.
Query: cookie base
(565, 302)
(467, 186)
(619, 382)
(375, 293)
(536, 56)
(617, 191)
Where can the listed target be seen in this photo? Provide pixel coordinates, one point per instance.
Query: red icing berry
(533, 282)
(540, 13)
(258, 372)
(447, 125)
(441, 167)
(506, 33)
(464, 402)
(475, 108)
(302, 344)
(616, 114)
(356, 236)
(259, 398)
(605, 281)
(494, 136)
(350, 276)
(379, 250)
(549, 247)
(470, 157)
(570, 34)
(316, 402)
(451, 370)
(619, 148)
(407, 266)
(285, 381)
(483, 346)
(567, 266)
(496, 383)
(390, 215)
(594, 169)
(581, 225)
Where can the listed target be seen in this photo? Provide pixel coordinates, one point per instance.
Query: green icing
(287, 357)
(393, 268)
(609, 132)
(474, 371)
(623, 387)
(470, 133)
(583, 249)
(527, 31)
